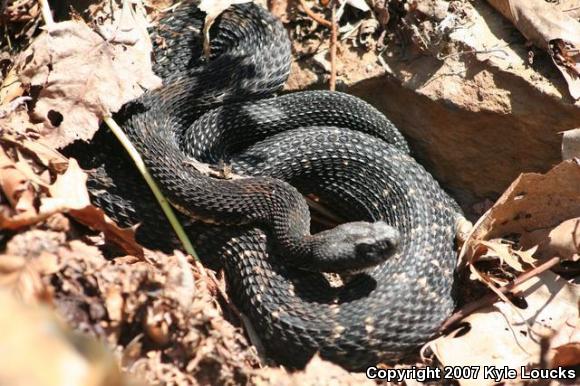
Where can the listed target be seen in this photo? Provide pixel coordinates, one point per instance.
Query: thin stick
(491, 298)
(317, 18)
(46, 14)
(333, 43)
(116, 129)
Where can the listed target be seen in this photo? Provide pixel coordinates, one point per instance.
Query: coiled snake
(221, 110)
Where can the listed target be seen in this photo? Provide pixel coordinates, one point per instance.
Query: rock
(475, 111)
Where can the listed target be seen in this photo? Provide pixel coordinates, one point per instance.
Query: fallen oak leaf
(495, 248)
(69, 194)
(96, 219)
(533, 201)
(80, 78)
(498, 248)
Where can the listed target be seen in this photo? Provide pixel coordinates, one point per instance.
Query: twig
(474, 51)
(317, 18)
(46, 13)
(491, 298)
(116, 129)
(570, 9)
(333, 43)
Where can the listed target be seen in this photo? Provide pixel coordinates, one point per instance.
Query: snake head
(354, 246)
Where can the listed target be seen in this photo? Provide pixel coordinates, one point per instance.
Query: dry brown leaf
(507, 255)
(69, 194)
(533, 201)
(565, 345)
(20, 194)
(11, 88)
(502, 335)
(96, 219)
(551, 30)
(80, 76)
(47, 156)
(562, 240)
(44, 352)
(567, 355)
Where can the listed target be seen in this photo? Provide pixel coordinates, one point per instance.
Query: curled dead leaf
(534, 201)
(96, 219)
(69, 194)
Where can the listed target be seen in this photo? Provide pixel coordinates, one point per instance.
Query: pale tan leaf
(527, 255)
(80, 77)
(562, 241)
(69, 194)
(533, 201)
(47, 156)
(68, 191)
(503, 252)
(502, 335)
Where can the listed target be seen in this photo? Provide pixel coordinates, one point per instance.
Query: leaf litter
(64, 263)
(78, 76)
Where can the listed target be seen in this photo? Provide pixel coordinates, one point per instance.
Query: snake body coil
(332, 145)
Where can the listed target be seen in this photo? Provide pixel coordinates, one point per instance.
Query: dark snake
(398, 248)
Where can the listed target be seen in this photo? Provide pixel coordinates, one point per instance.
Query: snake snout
(380, 243)
(355, 246)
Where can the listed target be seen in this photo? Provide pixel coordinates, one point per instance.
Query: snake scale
(397, 248)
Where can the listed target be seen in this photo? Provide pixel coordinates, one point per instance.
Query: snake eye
(377, 251)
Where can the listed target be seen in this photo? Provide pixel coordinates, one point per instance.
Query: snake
(393, 254)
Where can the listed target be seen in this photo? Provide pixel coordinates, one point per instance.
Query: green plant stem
(165, 205)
